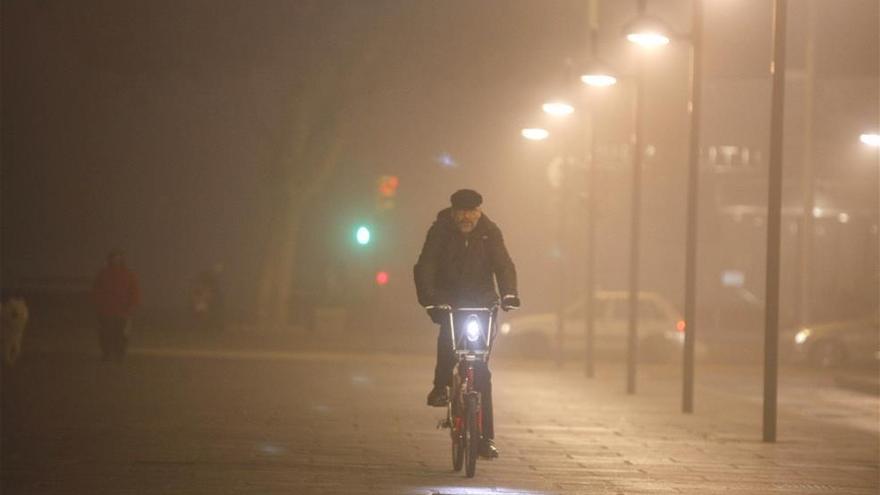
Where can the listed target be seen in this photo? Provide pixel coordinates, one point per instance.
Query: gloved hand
(438, 312)
(510, 302)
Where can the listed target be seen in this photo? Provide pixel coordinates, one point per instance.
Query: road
(235, 421)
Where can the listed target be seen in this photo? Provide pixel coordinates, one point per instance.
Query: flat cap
(466, 199)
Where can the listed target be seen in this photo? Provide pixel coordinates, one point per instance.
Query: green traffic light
(362, 235)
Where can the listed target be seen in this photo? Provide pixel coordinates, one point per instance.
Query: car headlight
(802, 336)
(472, 329)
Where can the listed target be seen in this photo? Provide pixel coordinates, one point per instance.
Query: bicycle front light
(472, 328)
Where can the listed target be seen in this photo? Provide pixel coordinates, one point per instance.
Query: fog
(155, 128)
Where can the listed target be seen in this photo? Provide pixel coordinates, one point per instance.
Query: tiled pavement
(322, 422)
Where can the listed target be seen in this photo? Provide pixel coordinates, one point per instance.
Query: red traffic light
(382, 278)
(388, 186)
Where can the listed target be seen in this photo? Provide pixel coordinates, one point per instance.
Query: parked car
(661, 328)
(834, 344)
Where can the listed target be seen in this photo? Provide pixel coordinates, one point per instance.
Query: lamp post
(561, 109)
(596, 75)
(690, 277)
(646, 32)
(651, 32)
(774, 223)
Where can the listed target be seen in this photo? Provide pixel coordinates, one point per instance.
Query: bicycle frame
(472, 332)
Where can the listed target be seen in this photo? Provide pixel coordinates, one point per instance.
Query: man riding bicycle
(462, 258)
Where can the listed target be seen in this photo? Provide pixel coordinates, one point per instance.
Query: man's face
(466, 220)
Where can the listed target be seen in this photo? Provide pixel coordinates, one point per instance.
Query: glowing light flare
(558, 108)
(648, 38)
(472, 329)
(802, 336)
(680, 326)
(598, 80)
(505, 328)
(362, 235)
(535, 134)
(870, 139)
(382, 279)
(388, 185)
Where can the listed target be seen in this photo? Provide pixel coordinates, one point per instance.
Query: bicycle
(473, 333)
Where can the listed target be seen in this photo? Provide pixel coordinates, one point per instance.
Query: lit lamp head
(535, 133)
(648, 31)
(870, 139)
(557, 108)
(598, 75)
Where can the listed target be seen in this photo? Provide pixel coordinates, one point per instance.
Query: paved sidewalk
(234, 421)
(604, 441)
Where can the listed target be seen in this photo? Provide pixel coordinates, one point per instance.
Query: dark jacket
(461, 270)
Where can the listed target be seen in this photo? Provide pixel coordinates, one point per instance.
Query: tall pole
(638, 154)
(774, 222)
(560, 263)
(590, 280)
(690, 279)
(806, 228)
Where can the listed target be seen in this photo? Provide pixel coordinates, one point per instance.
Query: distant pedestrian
(116, 294)
(13, 320)
(207, 299)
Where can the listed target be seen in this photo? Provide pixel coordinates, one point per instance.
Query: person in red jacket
(116, 294)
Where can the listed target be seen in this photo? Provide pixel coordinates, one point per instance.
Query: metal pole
(560, 260)
(690, 279)
(589, 307)
(638, 150)
(590, 283)
(807, 225)
(774, 221)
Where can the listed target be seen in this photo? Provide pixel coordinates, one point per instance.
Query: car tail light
(680, 326)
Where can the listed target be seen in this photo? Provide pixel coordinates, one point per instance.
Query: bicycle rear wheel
(457, 450)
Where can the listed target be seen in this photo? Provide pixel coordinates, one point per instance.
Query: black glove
(438, 313)
(510, 302)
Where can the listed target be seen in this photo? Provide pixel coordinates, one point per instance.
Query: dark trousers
(446, 362)
(113, 336)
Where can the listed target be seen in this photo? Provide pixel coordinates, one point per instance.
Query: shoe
(438, 397)
(488, 449)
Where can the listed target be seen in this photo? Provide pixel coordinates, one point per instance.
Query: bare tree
(311, 146)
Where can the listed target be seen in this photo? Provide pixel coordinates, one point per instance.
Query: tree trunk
(311, 151)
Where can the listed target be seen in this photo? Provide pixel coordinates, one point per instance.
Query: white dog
(13, 320)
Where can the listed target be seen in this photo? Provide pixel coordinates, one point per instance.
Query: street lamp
(535, 133)
(598, 75)
(648, 31)
(558, 108)
(871, 139)
(598, 80)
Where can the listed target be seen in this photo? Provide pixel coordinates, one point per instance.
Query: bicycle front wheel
(471, 436)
